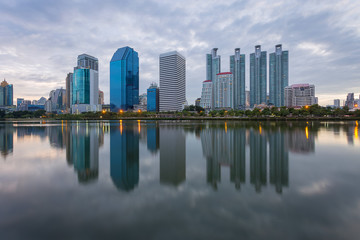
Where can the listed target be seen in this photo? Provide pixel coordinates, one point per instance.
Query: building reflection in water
(153, 140)
(224, 146)
(279, 159)
(6, 140)
(301, 139)
(172, 155)
(124, 156)
(83, 150)
(258, 166)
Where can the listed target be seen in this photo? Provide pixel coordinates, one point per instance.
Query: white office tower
(299, 95)
(223, 91)
(172, 81)
(206, 95)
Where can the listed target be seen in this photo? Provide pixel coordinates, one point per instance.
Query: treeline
(307, 111)
(193, 111)
(23, 114)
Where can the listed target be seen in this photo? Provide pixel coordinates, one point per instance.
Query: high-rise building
(6, 94)
(124, 79)
(172, 81)
(258, 76)
(350, 100)
(278, 76)
(153, 98)
(299, 95)
(223, 91)
(337, 103)
(85, 85)
(68, 81)
(213, 67)
(206, 95)
(237, 67)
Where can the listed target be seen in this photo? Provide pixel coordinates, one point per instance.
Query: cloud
(41, 40)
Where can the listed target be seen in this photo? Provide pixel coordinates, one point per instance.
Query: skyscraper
(172, 81)
(69, 80)
(337, 103)
(124, 79)
(85, 85)
(6, 94)
(278, 75)
(258, 76)
(213, 67)
(237, 67)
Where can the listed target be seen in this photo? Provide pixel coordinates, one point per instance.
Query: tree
(266, 112)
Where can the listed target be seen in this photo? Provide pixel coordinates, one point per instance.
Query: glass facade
(81, 86)
(153, 100)
(258, 76)
(124, 79)
(278, 76)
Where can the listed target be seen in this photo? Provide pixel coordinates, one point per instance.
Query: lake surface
(179, 180)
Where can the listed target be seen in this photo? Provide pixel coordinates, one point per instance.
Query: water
(179, 180)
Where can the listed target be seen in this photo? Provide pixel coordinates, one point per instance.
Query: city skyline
(302, 28)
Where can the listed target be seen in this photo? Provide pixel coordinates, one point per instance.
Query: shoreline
(270, 119)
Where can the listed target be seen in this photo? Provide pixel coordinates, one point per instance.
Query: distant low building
(197, 102)
(350, 100)
(153, 98)
(299, 95)
(101, 97)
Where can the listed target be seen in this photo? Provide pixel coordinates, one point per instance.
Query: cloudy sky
(40, 40)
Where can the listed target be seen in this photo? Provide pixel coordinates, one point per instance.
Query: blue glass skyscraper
(124, 79)
(278, 76)
(258, 76)
(81, 86)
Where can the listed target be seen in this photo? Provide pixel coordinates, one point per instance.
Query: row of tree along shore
(193, 113)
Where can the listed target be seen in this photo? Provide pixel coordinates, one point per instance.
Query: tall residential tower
(213, 67)
(258, 76)
(237, 67)
(278, 76)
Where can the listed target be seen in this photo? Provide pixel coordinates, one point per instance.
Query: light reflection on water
(187, 177)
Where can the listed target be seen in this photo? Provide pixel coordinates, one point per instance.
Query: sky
(40, 40)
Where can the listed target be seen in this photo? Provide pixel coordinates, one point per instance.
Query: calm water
(189, 180)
